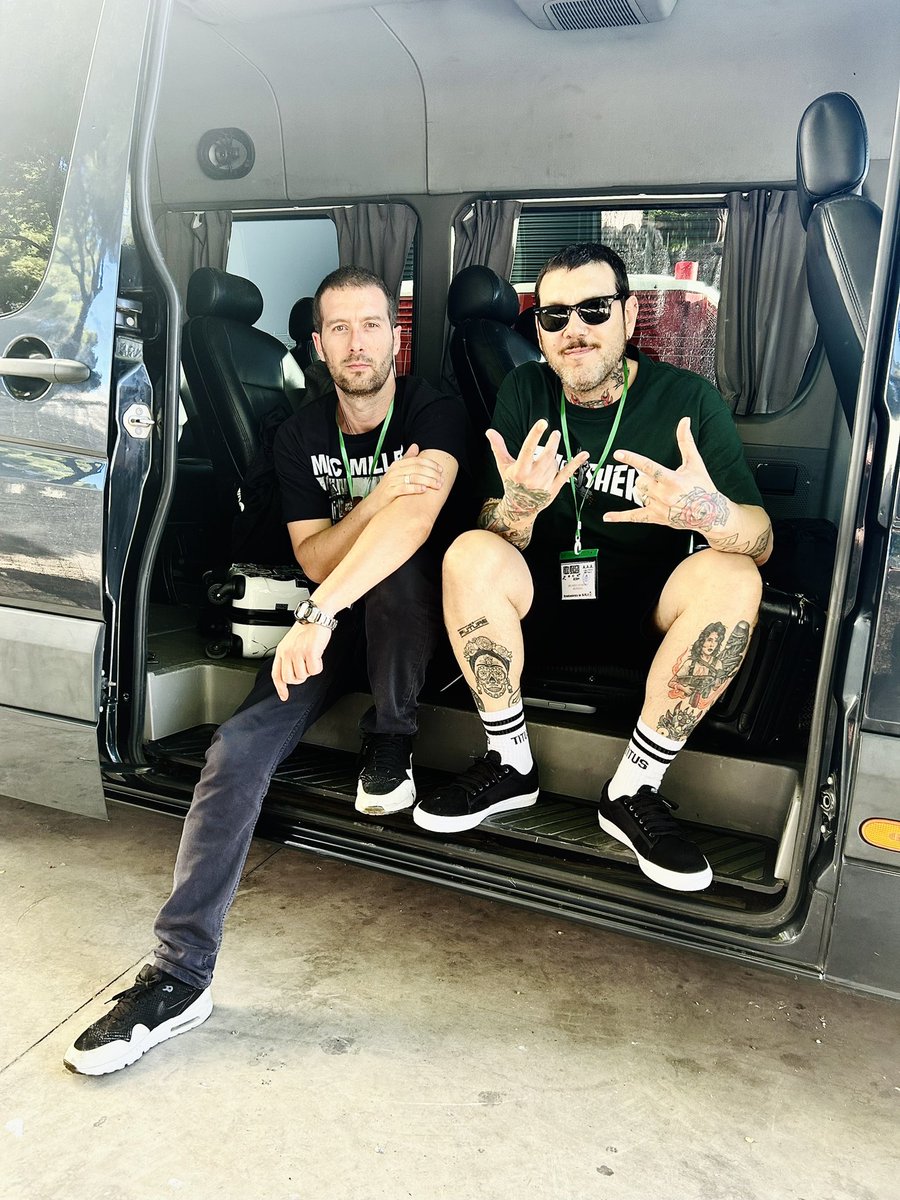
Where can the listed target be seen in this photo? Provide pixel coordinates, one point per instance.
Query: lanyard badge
(578, 567)
(349, 501)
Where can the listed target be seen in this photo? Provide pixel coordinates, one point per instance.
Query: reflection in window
(674, 262)
(40, 111)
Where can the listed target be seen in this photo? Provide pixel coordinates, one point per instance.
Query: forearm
(513, 516)
(727, 526)
(390, 538)
(320, 554)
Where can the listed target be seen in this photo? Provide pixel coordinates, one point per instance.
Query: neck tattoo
(612, 386)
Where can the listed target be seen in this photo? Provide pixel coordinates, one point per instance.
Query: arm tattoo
(489, 663)
(699, 509)
(754, 550)
(491, 519)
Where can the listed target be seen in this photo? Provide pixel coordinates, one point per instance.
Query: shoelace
(126, 1001)
(653, 812)
(482, 774)
(386, 754)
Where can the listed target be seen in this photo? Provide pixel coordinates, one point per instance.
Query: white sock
(506, 733)
(646, 759)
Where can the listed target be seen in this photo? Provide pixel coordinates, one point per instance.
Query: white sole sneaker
(437, 824)
(403, 796)
(674, 880)
(102, 1060)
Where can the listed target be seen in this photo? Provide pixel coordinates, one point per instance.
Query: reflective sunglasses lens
(594, 312)
(552, 320)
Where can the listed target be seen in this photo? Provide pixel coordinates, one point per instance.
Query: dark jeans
(398, 624)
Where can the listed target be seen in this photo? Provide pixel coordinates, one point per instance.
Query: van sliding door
(67, 91)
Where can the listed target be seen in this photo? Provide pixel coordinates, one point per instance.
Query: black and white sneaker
(385, 778)
(156, 1007)
(489, 786)
(644, 823)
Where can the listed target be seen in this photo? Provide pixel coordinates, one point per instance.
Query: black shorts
(617, 627)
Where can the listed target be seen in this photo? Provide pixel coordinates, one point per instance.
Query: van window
(40, 112)
(674, 261)
(288, 257)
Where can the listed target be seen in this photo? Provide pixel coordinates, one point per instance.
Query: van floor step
(559, 823)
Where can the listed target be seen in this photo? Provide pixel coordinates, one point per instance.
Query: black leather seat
(484, 347)
(236, 373)
(300, 327)
(842, 231)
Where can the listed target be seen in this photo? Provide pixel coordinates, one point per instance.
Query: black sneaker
(644, 823)
(489, 786)
(154, 1008)
(385, 777)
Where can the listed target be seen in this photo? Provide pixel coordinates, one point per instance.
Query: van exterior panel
(864, 950)
(52, 762)
(875, 794)
(50, 664)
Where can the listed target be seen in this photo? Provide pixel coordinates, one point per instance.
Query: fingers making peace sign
(685, 498)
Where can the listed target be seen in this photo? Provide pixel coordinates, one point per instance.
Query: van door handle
(52, 370)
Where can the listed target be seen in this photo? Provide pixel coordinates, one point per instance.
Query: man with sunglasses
(637, 456)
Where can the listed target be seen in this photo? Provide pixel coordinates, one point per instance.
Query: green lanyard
(603, 457)
(375, 456)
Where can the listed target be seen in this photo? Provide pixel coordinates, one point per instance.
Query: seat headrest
(832, 150)
(214, 293)
(300, 322)
(480, 292)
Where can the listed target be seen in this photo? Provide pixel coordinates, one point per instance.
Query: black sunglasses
(553, 318)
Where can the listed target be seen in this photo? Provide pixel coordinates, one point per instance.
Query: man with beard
(638, 453)
(366, 471)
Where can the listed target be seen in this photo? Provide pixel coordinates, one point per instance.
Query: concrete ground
(375, 1037)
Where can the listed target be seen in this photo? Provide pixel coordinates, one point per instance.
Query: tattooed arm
(687, 498)
(530, 483)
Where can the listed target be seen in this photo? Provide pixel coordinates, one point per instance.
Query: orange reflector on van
(881, 832)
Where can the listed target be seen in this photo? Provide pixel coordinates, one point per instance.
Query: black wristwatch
(308, 613)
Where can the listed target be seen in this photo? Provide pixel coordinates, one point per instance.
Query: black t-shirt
(658, 398)
(310, 465)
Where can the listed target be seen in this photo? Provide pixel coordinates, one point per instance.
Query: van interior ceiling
(287, 110)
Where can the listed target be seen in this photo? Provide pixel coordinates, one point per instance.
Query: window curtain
(193, 239)
(484, 234)
(766, 327)
(377, 237)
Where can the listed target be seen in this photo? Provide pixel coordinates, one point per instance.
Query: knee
(475, 558)
(734, 576)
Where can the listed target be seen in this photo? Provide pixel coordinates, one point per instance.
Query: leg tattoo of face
(703, 672)
(489, 662)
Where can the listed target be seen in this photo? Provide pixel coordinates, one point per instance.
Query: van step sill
(560, 823)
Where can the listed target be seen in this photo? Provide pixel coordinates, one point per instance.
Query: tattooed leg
(487, 591)
(708, 610)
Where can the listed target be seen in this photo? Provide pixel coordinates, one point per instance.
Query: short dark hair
(581, 254)
(351, 277)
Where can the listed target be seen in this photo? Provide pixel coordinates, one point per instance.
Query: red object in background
(686, 270)
(405, 321)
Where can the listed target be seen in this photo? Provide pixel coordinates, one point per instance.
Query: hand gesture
(532, 481)
(299, 655)
(685, 498)
(410, 475)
